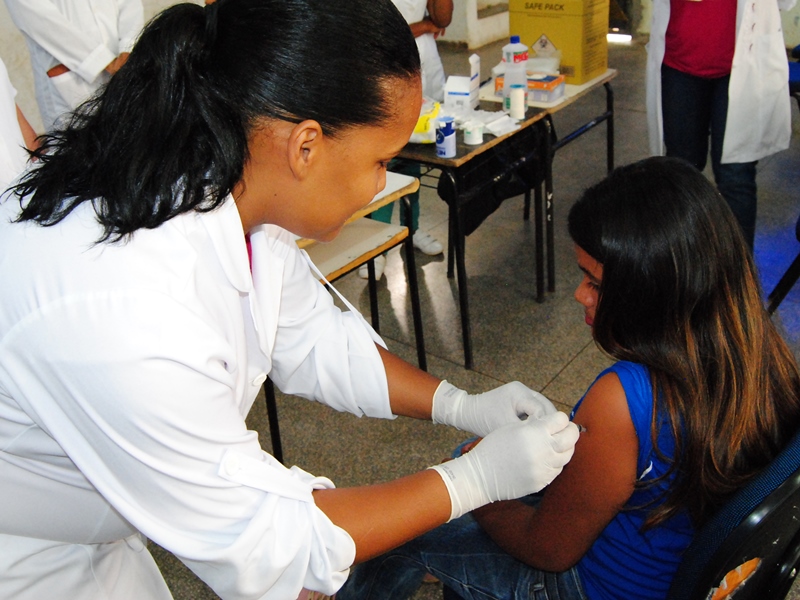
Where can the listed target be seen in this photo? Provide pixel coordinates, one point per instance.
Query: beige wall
(14, 53)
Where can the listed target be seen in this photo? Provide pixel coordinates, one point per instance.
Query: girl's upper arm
(591, 490)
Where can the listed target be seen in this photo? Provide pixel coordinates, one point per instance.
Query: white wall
(467, 28)
(14, 53)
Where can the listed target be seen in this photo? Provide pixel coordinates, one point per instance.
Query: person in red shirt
(720, 66)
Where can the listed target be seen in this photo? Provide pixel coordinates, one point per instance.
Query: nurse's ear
(305, 146)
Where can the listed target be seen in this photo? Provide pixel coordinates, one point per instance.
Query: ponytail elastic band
(211, 11)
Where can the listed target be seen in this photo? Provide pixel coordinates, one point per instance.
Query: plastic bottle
(515, 60)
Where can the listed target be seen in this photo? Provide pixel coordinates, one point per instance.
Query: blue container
(446, 137)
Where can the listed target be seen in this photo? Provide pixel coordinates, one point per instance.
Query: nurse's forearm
(28, 134)
(440, 12)
(410, 389)
(381, 517)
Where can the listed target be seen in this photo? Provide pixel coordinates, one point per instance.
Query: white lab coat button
(259, 380)
(232, 465)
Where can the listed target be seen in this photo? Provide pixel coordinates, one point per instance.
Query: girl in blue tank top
(703, 395)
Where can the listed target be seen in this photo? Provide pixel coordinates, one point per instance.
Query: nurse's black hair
(169, 132)
(680, 294)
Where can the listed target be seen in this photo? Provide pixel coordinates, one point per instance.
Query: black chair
(761, 521)
(794, 75)
(272, 418)
(788, 280)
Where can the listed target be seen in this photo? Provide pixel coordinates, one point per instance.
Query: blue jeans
(692, 108)
(464, 559)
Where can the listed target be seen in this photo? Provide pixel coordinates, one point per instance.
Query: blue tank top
(626, 562)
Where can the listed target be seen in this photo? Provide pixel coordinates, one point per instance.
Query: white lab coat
(126, 373)
(84, 36)
(413, 11)
(759, 117)
(12, 146)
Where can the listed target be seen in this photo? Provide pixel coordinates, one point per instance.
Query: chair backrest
(761, 521)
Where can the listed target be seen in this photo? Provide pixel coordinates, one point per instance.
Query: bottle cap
(515, 39)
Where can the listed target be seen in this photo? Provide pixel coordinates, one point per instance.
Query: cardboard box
(457, 93)
(542, 87)
(577, 28)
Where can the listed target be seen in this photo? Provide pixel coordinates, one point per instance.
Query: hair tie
(211, 10)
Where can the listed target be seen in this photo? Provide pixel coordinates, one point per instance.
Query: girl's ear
(304, 146)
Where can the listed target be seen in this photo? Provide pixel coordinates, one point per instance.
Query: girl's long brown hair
(680, 294)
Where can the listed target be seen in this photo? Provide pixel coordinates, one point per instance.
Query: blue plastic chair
(762, 521)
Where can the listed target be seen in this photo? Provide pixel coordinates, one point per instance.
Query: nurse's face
(588, 291)
(310, 183)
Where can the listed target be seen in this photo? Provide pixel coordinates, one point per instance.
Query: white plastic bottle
(515, 60)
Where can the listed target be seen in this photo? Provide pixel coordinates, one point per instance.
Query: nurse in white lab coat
(75, 47)
(758, 118)
(150, 284)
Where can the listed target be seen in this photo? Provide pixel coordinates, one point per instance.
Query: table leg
(610, 126)
(272, 417)
(457, 246)
(413, 288)
(451, 228)
(539, 241)
(549, 156)
(461, 269)
(373, 295)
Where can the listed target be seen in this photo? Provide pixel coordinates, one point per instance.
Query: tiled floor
(547, 346)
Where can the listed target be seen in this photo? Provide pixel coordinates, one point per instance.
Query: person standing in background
(75, 47)
(720, 67)
(16, 134)
(428, 20)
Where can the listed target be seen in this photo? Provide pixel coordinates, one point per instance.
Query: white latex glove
(511, 462)
(483, 413)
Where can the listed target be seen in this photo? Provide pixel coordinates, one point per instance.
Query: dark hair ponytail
(169, 132)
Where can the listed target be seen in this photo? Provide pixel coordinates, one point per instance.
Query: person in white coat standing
(427, 20)
(151, 283)
(75, 47)
(720, 68)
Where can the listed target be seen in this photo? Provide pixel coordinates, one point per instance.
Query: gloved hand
(483, 413)
(511, 462)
